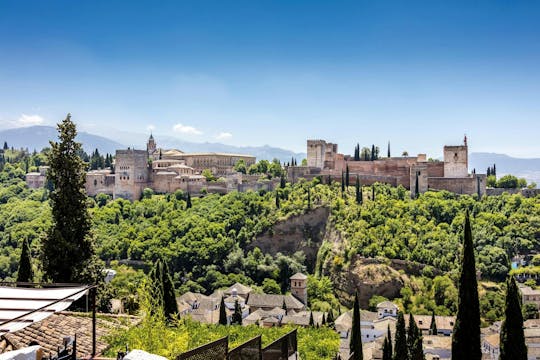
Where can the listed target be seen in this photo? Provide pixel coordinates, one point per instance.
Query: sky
(419, 74)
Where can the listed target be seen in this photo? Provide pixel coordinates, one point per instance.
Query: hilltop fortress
(164, 171)
(169, 170)
(416, 173)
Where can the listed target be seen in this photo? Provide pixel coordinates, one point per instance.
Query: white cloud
(29, 120)
(224, 136)
(185, 129)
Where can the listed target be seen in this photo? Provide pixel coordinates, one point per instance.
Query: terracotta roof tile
(49, 333)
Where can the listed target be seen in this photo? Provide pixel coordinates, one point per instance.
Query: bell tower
(299, 287)
(151, 144)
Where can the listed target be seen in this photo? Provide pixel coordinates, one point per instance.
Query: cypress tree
(67, 252)
(311, 321)
(188, 201)
(6, 145)
(414, 341)
(433, 327)
(390, 347)
(277, 200)
(237, 315)
(347, 176)
(488, 173)
(358, 191)
(355, 344)
(342, 184)
(373, 192)
(25, 273)
(163, 289)
(386, 354)
(323, 321)
(466, 335)
(372, 152)
(416, 187)
(512, 336)
(494, 172)
(309, 197)
(389, 149)
(222, 312)
(400, 349)
(330, 318)
(282, 182)
(284, 306)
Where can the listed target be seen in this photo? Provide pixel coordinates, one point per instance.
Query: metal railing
(217, 350)
(250, 350)
(281, 349)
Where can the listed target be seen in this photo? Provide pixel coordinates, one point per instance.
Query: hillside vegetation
(206, 244)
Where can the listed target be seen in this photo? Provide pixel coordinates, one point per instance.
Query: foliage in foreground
(154, 335)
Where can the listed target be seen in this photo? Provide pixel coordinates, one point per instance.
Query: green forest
(205, 240)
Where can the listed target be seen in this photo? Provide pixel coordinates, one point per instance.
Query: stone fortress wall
(452, 174)
(166, 171)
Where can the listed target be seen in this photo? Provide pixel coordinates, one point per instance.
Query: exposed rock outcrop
(303, 232)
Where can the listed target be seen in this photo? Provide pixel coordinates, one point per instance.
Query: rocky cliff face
(367, 276)
(297, 233)
(325, 249)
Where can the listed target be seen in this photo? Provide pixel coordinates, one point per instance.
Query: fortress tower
(132, 173)
(321, 154)
(456, 161)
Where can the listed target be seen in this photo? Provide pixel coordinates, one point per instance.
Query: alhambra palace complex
(415, 173)
(166, 171)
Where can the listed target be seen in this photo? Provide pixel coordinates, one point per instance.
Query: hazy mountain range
(37, 137)
(523, 168)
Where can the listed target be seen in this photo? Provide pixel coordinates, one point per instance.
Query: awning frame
(86, 288)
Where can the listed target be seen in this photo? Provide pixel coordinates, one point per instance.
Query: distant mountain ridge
(520, 167)
(37, 137)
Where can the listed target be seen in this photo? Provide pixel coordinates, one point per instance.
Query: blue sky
(417, 73)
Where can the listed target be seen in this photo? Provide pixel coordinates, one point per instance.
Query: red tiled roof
(49, 333)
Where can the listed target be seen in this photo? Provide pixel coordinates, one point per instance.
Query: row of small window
(123, 168)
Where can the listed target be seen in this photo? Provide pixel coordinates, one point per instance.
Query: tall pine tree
(25, 273)
(388, 155)
(355, 344)
(163, 289)
(390, 346)
(358, 191)
(433, 327)
(222, 312)
(386, 353)
(188, 201)
(68, 251)
(414, 341)
(401, 352)
(512, 337)
(237, 315)
(347, 176)
(466, 334)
